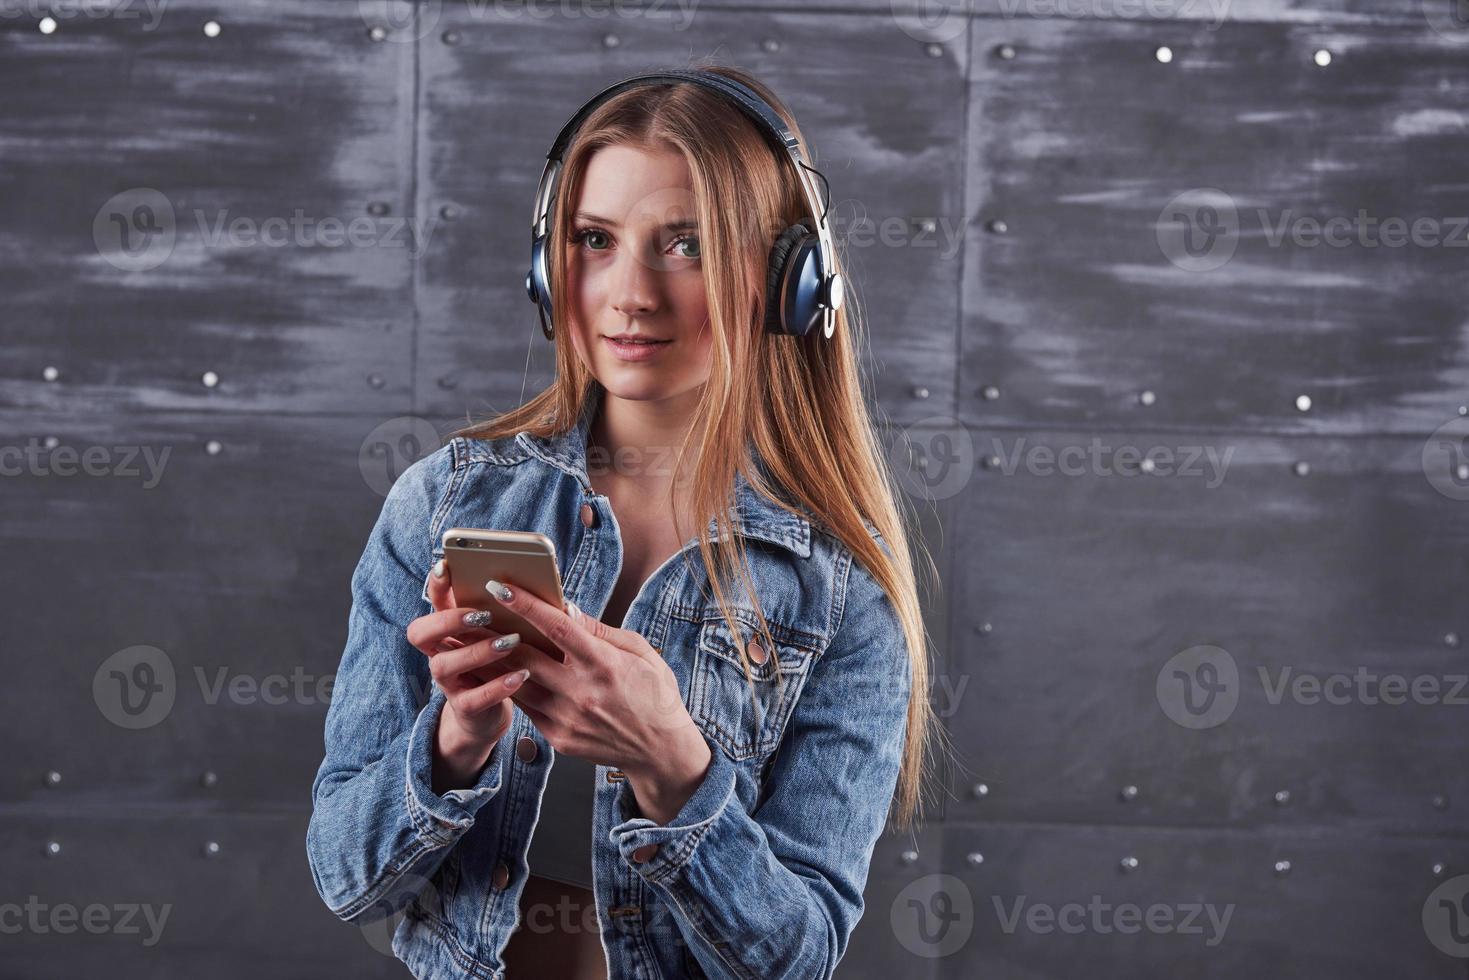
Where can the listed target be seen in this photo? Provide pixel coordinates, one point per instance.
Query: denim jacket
(759, 875)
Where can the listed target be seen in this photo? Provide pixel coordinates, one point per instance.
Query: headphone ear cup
(782, 276)
(537, 286)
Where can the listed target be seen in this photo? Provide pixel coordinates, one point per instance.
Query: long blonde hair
(798, 398)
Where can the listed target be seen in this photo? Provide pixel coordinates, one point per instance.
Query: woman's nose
(636, 289)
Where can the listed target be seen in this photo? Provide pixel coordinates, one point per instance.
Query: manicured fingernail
(572, 611)
(480, 617)
(512, 681)
(439, 568)
(499, 590)
(506, 642)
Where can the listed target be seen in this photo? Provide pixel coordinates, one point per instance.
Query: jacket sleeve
(778, 892)
(375, 819)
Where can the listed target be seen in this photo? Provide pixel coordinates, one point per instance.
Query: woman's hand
(613, 701)
(478, 711)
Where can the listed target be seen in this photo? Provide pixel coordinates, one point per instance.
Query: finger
(541, 720)
(439, 592)
(488, 694)
(449, 664)
(537, 697)
(553, 623)
(426, 632)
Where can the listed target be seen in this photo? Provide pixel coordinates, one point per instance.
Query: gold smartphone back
(524, 559)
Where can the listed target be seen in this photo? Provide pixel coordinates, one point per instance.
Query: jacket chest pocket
(746, 723)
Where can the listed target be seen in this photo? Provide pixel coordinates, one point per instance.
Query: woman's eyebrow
(670, 226)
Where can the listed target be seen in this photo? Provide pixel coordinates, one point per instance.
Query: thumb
(439, 592)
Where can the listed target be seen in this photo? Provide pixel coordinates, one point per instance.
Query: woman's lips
(635, 352)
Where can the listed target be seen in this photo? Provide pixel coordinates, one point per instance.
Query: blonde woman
(692, 784)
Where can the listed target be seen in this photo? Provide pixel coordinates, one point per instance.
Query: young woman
(692, 784)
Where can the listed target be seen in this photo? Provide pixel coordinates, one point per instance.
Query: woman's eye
(689, 240)
(583, 236)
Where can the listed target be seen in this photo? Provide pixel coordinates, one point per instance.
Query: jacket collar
(753, 515)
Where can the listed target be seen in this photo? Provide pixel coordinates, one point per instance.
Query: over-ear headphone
(801, 288)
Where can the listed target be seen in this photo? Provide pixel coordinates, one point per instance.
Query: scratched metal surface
(1091, 295)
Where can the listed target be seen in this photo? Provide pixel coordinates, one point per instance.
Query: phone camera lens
(458, 542)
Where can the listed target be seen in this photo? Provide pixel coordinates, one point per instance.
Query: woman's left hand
(613, 701)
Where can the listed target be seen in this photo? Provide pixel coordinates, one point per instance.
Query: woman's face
(634, 268)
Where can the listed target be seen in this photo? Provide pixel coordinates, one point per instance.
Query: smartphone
(521, 559)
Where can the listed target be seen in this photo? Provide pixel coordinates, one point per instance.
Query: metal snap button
(756, 651)
(589, 515)
(501, 877)
(645, 853)
(526, 749)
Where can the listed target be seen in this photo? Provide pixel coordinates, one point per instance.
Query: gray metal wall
(1072, 251)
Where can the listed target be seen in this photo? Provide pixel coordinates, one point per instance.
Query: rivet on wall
(974, 858)
(448, 382)
(53, 848)
(920, 392)
(1282, 797)
(213, 447)
(211, 849)
(770, 45)
(51, 442)
(448, 212)
(1439, 869)
(377, 33)
(996, 226)
(1322, 58)
(450, 37)
(934, 50)
(990, 462)
(983, 628)
(208, 780)
(1464, 409)
(610, 40)
(47, 25)
(1303, 403)
(1147, 465)
(1282, 868)
(211, 28)
(1164, 54)
(209, 378)
(981, 790)
(375, 381)
(1451, 639)
(1146, 398)
(928, 226)
(1127, 794)
(991, 393)
(50, 373)
(53, 778)
(1005, 51)
(1301, 468)
(1128, 864)
(378, 208)
(909, 856)
(1440, 802)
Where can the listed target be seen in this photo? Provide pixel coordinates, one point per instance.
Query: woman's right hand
(479, 711)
